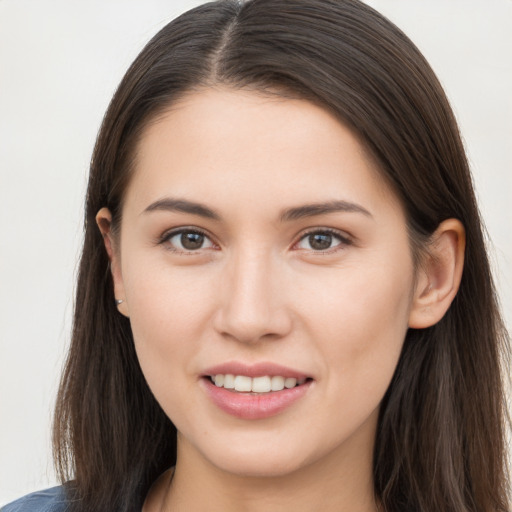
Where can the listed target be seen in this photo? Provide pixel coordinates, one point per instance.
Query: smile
(263, 384)
(255, 391)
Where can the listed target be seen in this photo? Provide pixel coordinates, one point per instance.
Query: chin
(260, 460)
(262, 468)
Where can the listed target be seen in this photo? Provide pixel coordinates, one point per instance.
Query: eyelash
(344, 241)
(166, 237)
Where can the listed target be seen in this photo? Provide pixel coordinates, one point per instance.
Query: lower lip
(249, 406)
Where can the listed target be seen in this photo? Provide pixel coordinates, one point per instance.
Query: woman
(284, 299)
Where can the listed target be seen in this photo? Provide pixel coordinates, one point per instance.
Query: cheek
(359, 321)
(168, 311)
(165, 326)
(161, 297)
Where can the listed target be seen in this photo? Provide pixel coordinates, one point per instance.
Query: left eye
(189, 241)
(321, 241)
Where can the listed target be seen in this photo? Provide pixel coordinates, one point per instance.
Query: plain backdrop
(60, 61)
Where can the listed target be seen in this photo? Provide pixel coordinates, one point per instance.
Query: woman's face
(259, 244)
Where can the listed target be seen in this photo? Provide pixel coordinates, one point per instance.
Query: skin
(258, 290)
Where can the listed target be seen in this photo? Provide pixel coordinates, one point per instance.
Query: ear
(104, 221)
(439, 275)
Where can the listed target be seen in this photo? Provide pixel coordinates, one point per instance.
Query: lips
(254, 391)
(254, 370)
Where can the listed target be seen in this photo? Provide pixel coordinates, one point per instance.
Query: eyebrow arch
(290, 214)
(183, 206)
(310, 210)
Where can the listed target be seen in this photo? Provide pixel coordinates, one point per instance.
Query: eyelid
(344, 238)
(170, 233)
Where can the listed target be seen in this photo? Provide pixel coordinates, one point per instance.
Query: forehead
(244, 148)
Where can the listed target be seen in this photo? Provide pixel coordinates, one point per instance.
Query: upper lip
(254, 370)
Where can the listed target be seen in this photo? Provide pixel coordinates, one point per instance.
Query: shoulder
(49, 500)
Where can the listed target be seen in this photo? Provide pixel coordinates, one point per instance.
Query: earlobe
(439, 275)
(104, 222)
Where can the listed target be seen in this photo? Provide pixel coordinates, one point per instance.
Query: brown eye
(188, 241)
(322, 240)
(191, 241)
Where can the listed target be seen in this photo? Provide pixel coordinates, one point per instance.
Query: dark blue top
(50, 500)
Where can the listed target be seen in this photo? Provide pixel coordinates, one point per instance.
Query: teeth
(263, 384)
(243, 383)
(277, 383)
(229, 381)
(290, 382)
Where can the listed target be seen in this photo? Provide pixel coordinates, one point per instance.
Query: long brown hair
(440, 442)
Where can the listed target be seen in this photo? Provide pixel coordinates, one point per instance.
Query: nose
(252, 304)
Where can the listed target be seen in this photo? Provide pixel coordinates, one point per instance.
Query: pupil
(192, 241)
(320, 241)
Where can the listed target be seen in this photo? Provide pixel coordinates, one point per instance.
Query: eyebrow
(183, 206)
(310, 210)
(290, 214)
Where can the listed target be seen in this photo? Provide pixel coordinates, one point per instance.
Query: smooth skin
(249, 277)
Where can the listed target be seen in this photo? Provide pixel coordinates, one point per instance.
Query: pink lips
(252, 406)
(254, 370)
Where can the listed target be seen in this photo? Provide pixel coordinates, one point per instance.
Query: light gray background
(60, 61)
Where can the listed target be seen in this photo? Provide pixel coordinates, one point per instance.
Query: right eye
(187, 240)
